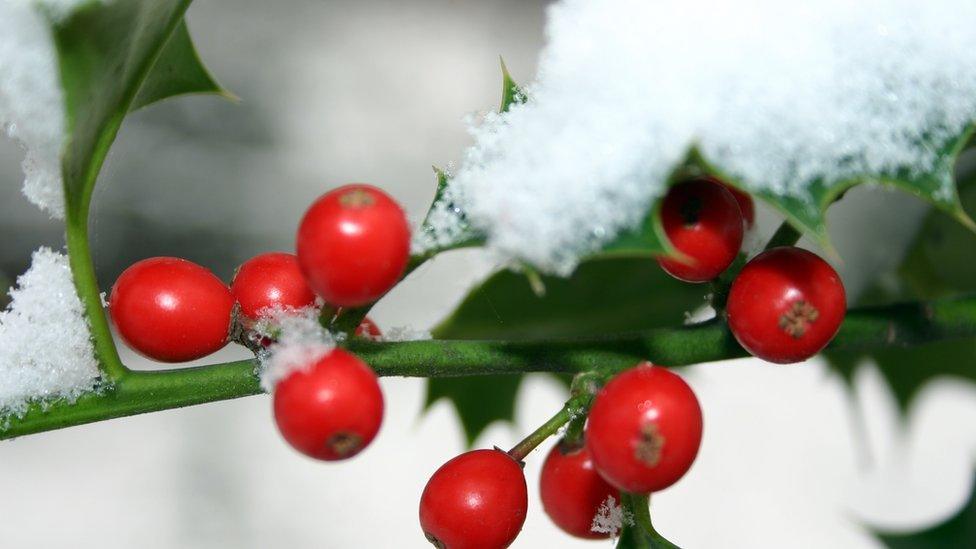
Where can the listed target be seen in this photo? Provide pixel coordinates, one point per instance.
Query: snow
(406, 333)
(299, 342)
(44, 338)
(31, 100)
(610, 518)
(776, 94)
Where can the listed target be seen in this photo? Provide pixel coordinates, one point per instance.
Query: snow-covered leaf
(789, 104)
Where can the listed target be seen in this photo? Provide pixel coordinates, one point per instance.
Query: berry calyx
(644, 429)
(786, 305)
(478, 500)
(270, 280)
(369, 330)
(746, 205)
(330, 410)
(171, 310)
(702, 220)
(572, 491)
(353, 244)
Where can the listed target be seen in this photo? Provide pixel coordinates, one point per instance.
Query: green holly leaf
(934, 266)
(115, 56)
(956, 531)
(512, 94)
(177, 71)
(604, 296)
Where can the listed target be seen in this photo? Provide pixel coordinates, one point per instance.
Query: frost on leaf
(298, 342)
(611, 518)
(406, 333)
(784, 97)
(31, 99)
(45, 343)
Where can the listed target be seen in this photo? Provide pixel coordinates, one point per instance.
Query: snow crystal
(611, 518)
(405, 333)
(45, 344)
(31, 99)
(774, 93)
(299, 342)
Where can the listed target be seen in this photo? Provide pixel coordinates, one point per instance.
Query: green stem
(897, 325)
(638, 532)
(576, 407)
(83, 273)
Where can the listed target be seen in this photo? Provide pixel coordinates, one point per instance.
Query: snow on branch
(45, 343)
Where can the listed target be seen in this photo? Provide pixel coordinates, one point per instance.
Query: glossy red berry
(330, 410)
(745, 202)
(703, 222)
(369, 330)
(171, 310)
(572, 491)
(477, 500)
(270, 280)
(353, 245)
(786, 305)
(644, 429)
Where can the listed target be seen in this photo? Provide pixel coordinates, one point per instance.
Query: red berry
(270, 280)
(786, 305)
(703, 222)
(171, 310)
(477, 500)
(572, 491)
(746, 205)
(331, 410)
(353, 245)
(644, 429)
(369, 330)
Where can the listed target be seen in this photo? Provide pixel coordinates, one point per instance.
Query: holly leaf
(958, 530)
(177, 71)
(107, 51)
(934, 266)
(604, 296)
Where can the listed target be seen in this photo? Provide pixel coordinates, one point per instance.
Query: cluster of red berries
(642, 435)
(785, 305)
(353, 245)
(644, 428)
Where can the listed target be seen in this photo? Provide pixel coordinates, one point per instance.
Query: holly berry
(745, 202)
(644, 429)
(330, 410)
(369, 330)
(270, 280)
(477, 500)
(786, 305)
(170, 309)
(703, 222)
(353, 245)
(572, 491)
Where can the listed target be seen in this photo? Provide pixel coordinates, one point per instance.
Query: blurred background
(341, 91)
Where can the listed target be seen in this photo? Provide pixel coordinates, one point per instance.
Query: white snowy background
(374, 91)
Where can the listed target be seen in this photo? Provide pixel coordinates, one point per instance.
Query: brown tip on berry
(798, 318)
(345, 444)
(356, 198)
(649, 447)
(434, 541)
(566, 447)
